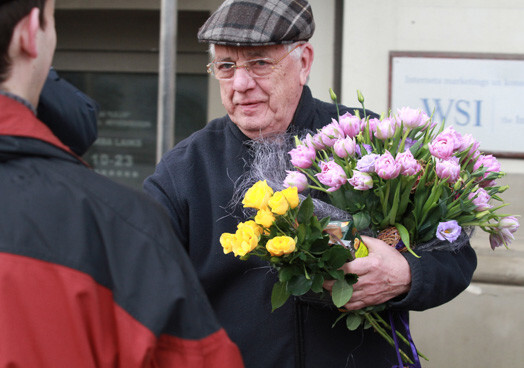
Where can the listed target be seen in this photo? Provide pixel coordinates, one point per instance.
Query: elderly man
(262, 60)
(86, 278)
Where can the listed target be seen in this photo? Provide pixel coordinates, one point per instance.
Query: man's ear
(306, 61)
(28, 33)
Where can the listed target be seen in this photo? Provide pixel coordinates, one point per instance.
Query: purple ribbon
(403, 318)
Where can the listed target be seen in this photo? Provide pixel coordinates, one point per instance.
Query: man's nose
(242, 80)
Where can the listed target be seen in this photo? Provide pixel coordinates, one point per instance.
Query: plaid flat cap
(259, 23)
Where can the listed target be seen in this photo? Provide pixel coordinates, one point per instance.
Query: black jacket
(91, 274)
(195, 182)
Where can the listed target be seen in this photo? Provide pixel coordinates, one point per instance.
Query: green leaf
(404, 235)
(338, 255)
(361, 220)
(336, 274)
(351, 278)
(306, 210)
(279, 295)
(342, 315)
(353, 321)
(287, 272)
(341, 293)
(318, 281)
(299, 285)
(301, 233)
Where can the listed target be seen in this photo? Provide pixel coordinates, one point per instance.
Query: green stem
(384, 323)
(386, 336)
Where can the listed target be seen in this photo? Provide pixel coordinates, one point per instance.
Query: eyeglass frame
(210, 66)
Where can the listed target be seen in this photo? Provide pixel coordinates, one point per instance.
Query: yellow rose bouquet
(286, 233)
(304, 250)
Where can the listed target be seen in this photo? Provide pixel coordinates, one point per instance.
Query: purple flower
(296, 179)
(302, 156)
(449, 230)
(442, 146)
(409, 166)
(384, 129)
(448, 169)
(345, 147)
(361, 180)
(411, 118)
(332, 175)
(409, 143)
(469, 143)
(360, 152)
(350, 124)
(480, 199)
(330, 133)
(386, 167)
(490, 163)
(367, 163)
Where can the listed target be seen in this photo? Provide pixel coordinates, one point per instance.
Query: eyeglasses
(256, 68)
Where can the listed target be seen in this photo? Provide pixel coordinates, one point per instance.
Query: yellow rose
(227, 241)
(258, 195)
(246, 241)
(265, 218)
(280, 245)
(253, 225)
(291, 195)
(278, 203)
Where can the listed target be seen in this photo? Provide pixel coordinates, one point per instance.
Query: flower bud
(332, 95)
(360, 97)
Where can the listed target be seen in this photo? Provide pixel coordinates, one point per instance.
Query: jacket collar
(17, 120)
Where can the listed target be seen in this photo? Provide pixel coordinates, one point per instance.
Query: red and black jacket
(91, 274)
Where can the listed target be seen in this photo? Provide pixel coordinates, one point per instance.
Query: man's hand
(382, 275)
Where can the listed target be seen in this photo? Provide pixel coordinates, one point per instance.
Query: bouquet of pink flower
(404, 172)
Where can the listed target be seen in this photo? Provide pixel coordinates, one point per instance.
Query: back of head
(11, 12)
(259, 23)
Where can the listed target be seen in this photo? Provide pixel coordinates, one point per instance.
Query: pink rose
(314, 142)
(386, 167)
(457, 137)
(384, 129)
(330, 133)
(448, 169)
(350, 124)
(332, 175)
(296, 179)
(345, 147)
(302, 156)
(480, 199)
(442, 146)
(490, 163)
(361, 180)
(409, 166)
(411, 118)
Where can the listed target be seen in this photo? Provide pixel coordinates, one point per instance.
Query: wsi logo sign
(456, 112)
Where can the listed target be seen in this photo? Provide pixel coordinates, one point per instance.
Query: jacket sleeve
(69, 113)
(437, 277)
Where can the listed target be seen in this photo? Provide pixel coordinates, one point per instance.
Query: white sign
(484, 97)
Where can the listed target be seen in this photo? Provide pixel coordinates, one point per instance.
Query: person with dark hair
(91, 273)
(262, 58)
